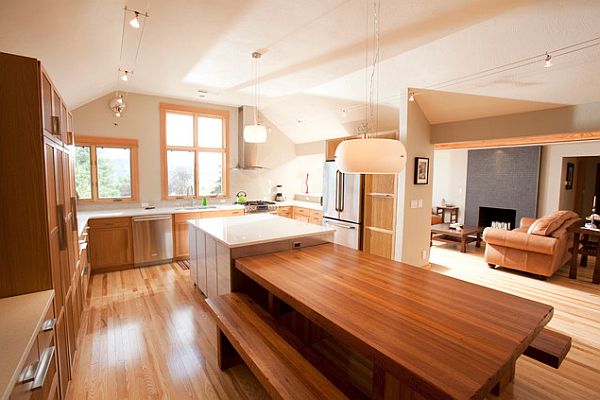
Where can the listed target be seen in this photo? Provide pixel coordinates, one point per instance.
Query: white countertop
(22, 318)
(257, 228)
(84, 216)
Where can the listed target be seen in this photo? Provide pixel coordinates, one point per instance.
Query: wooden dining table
(427, 334)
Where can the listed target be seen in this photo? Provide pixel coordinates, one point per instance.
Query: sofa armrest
(526, 222)
(520, 240)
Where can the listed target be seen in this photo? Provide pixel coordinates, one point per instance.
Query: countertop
(84, 216)
(257, 228)
(22, 318)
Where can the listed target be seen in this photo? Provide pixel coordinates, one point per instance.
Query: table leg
(463, 244)
(430, 239)
(584, 255)
(574, 252)
(505, 380)
(386, 386)
(596, 277)
(478, 241)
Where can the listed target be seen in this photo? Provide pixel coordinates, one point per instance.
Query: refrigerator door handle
(337, 190)
(343, 191)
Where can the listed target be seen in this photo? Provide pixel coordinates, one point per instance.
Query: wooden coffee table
(442, 232)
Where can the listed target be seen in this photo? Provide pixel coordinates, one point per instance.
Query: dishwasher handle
(151, 218)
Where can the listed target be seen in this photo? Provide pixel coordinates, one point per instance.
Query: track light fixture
(548, 61)
(343, 112)
(135, 22)
(125, 76)
(411, 96)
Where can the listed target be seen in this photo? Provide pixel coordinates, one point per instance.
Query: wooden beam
(520, 141)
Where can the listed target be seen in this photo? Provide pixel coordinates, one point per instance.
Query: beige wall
(141, 121)
(579, 118)
(450, 178)
(413, 224)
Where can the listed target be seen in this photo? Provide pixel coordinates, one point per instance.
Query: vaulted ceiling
(314, 61)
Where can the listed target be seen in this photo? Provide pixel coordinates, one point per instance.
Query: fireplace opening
(504, 218)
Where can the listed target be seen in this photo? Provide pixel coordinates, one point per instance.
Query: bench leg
(387, 387)
(505, 379)
(227, 356)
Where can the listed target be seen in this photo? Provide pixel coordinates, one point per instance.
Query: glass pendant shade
(371, 156)
(255, 134)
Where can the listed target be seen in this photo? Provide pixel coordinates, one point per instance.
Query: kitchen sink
(196, 208)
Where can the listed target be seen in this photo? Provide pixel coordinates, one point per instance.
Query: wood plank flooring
(145, 335)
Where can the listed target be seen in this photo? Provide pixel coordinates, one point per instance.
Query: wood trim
(98, 141)
(520, 141)
(197, 112)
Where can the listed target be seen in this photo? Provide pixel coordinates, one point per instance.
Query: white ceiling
(314, 63)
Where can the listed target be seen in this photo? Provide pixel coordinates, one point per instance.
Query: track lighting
(125, 76)
(135, 22)
(343, 112)
(117, 114)
(411, 96)
(120, 100)
(548, 62)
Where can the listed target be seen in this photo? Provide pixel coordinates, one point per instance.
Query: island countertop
(258, 228)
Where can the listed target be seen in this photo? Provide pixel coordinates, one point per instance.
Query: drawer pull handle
(48, 325)
(42, 369)
(28, 373)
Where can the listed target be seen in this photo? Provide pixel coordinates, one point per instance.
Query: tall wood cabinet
(39, 239)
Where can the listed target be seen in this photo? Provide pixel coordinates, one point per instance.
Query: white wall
(141, 121)
(552, 176)
(450, 178)
(450, 174)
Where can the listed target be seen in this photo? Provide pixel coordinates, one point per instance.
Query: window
(105, 169)
(194, 152)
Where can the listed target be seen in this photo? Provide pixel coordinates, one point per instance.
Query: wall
(566, 198)
(551, 174)
(552, 178)
(141, 121)
(579, 118)
(450, 178)
(413, 224)
(502, 178)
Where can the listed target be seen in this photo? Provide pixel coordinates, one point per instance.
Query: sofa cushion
(546, 225)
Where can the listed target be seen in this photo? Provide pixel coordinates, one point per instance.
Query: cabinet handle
(74, 214)
(42, 369)
(48, 325)
(28, 373)
(62, 231)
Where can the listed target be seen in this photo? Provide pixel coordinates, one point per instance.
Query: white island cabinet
(215, 243)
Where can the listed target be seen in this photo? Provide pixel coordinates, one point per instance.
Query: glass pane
(211, 173)
(210, 132)
(180, 171)
(180, 129)
(83, 173)
(114, 173)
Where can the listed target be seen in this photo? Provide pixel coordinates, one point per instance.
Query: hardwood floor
(146, 335)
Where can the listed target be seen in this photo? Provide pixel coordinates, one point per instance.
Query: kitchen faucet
(191, 196)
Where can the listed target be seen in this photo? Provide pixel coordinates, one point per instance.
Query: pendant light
(256, 133)
(371, 155)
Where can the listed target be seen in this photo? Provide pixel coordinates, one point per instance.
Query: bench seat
(281, 370)
(549, 347)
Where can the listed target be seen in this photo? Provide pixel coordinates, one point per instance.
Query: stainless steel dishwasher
(152, 239)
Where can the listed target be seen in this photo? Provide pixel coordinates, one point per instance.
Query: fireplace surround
(489, 215)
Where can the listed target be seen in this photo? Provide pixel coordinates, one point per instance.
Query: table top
(444, 337)
(448, 207)
(258, 228)
(445, 228)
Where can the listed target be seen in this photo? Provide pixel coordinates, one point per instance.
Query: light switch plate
(413, 204)
(420, 203)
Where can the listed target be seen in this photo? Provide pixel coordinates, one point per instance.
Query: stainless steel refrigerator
(342, 205)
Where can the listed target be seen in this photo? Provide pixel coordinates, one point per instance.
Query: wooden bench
(549, 347)
(244, 335)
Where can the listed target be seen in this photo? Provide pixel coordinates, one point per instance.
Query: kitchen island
(216, 243)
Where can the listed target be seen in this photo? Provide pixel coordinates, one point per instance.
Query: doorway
(581, 182)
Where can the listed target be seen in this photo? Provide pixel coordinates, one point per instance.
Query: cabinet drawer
(48, 378)
(236, 213)
(316, 214)
(22, 389)
(301, 211)
(304, 218)
(183, 217)
(46, 333)
(316, 220)
(285, 211)
(109, 222)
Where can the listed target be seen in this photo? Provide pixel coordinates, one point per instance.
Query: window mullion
(94, 172)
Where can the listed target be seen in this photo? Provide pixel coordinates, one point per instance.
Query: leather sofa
(539, 246)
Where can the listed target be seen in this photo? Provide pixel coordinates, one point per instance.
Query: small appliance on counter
(241, 197)
(279, 196)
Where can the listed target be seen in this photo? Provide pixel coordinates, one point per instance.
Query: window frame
(121, 143)
(164, 148)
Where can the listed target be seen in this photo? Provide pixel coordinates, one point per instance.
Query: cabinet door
(46, 104)
(53, 227)
(71, 337)
(63, 123)
(201, 274)
(110, 247)
(211, 266)
(56, 120)
(193, 255)
(64, 371)
(181, 250)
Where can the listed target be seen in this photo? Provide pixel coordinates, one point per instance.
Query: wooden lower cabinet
(62, 354)
(379, 215)
(285, 211)
(307, 215)
(110, 244)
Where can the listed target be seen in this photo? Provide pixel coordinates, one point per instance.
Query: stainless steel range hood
(247, 152)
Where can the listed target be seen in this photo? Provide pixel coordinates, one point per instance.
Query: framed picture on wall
(570, 174)
(421, 171)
